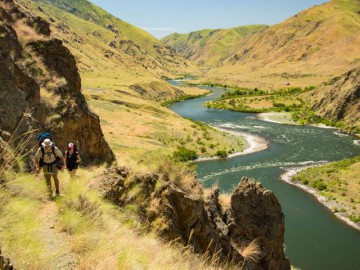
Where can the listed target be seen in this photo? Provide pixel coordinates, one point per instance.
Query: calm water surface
(314, 238)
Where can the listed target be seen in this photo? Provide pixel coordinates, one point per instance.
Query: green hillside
(207, 47)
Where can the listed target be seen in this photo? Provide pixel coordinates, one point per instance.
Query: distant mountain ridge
(314, 45)
(209, 46)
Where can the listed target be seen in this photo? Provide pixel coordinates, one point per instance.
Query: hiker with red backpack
(72, 159)
(50, 158)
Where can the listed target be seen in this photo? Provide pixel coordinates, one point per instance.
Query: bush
(305, 181)
(184, 155)
(221, 153)
(319, 185)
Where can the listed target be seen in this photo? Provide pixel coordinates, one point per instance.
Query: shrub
(305, 181)
(184, 155)
(319, 185)
(221, 153)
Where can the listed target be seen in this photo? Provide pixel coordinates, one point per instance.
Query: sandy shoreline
(255, 144)
(284, 118)
(290, 172)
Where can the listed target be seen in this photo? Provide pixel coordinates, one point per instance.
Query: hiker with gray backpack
(50, 158)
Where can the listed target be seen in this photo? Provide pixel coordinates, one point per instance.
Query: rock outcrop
(40, 87)
(255, 213)
(200, 221)
(340, 98)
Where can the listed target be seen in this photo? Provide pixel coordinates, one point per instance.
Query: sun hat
(47, 142)
(70, 145)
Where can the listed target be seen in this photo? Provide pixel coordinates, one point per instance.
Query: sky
(164, 17)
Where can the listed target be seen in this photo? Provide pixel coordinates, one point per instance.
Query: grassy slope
(79, 231)
(91, 13)
(138, 129)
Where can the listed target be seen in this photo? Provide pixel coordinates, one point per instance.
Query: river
(314, 238)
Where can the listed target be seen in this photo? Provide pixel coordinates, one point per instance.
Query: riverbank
(254, 144)
(330, 204)
(284, 118)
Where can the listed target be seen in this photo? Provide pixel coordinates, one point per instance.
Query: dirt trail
(58, 243)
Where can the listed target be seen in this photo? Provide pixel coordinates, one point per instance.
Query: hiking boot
(57, 194)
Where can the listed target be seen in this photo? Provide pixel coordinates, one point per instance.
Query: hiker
(72, 159)
(50, 158)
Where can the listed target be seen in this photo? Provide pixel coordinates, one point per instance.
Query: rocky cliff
(339, 99)
(40, 88)
(187, 214)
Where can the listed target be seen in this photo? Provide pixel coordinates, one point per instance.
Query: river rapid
(314, 238)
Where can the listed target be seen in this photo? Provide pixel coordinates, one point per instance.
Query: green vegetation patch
(184, 154)
(258, 101)
(338, 182)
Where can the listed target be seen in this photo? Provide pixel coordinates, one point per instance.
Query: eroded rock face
(255, 213)
(40, 87)
(201, 221)
(341, 99)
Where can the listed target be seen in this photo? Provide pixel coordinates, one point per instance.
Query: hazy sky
(163, 17)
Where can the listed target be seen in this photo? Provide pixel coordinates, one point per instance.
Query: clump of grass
(225, 199)
(14, 151)
(252, 252)
(26, 33)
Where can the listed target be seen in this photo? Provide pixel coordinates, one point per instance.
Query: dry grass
(97, 234)
(225, 199)
(50, 99)
(26, 33)
(252, 252)
(15, 150)
(138, 128)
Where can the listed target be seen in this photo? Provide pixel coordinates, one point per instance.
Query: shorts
(50, 169)
(71, 167)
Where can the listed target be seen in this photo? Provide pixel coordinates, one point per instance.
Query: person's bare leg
(48, 183)
(56, 181)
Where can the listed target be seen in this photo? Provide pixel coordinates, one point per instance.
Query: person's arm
(78, 158)
(61, 156)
